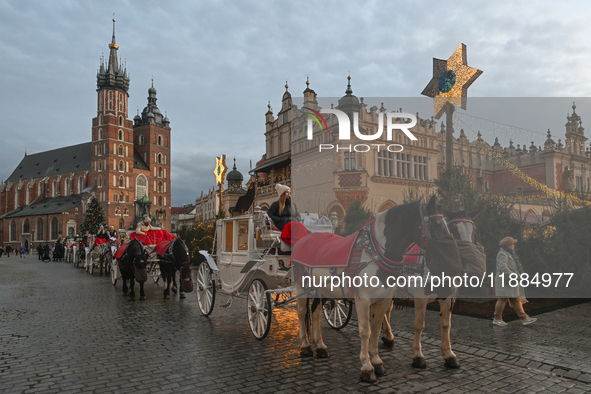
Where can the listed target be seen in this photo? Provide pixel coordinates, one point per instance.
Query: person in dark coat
(1, 251)
(46, 253)
(40, 251)
(283, 210)
(8, 250)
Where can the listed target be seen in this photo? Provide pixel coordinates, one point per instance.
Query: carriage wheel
(337, 313)
(156, 274)
(258, 309)
(205, 289)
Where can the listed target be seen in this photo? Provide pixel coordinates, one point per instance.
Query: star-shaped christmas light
(220, 169)
(450, 82)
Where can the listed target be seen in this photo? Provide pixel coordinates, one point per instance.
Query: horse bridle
(465, 220)
(425, 226)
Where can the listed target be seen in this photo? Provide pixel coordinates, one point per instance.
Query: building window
(54, 226)
(141, 139)
(126, 211)
(39, 189)
(100, 165)
(71, 232)
(159, 140)
(121, 224)
(121, 166)
(127, 197)
(54, 189)
(39, 229)
(110, 100)
(159, 187)
(350, 162)
(120, 134)
(100, 181)
(403, 163)
(100, 136)
(120, 150)
(13, 230)
(26, 226)
(80, 185)
(160, 172)
(115, 196)
(386, 163)
(160, 201)
(67, 187)
(420, 167)
(159, 158)
(141, 187)
(121, 181)
(121, 121)
(27, 195)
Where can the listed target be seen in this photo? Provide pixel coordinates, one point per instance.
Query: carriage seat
(272, 232)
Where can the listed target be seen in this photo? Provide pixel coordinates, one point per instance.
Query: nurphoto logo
(345, 129)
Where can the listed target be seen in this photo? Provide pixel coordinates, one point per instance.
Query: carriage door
(226, 246)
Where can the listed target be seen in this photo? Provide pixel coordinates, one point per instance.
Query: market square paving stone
(62, 330)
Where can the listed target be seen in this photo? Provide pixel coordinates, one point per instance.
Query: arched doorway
(387, 205)
(27, 244)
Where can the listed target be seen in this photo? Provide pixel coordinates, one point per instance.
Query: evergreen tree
(94, 217)
(356, 217)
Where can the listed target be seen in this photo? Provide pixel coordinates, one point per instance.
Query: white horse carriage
(252, 261)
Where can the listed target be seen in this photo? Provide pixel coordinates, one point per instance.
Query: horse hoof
(322, 353)
(306, 352)
(142, 298)
(166, 296)
(125, 294)
(368, 377)
(452, 362)
(388, 343)
(379, 370)
(419, 362)
(183, 296)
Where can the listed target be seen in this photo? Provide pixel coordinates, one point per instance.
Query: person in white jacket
(508, 263)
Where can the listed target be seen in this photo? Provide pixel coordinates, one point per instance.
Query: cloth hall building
(126, 166)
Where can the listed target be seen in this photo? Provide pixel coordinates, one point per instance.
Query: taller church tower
(112, 141)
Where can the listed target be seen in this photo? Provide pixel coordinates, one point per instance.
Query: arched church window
(54, 228)
(160, 201)
(141, 139)
(120, 131)
(121, 166)
(39, 229)
(100, 136)
(26, 227)
(100, 181)
(160, 172)
(141, 187)
(159, 158)
(121, 181)
(160, 140)
(159, 187)
(13, 230)
(54, 189)
(80, 185)
(120, 150)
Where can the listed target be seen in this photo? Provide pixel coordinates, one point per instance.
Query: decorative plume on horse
(375, 252)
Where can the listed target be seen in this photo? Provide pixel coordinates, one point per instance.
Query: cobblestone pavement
(62, 330)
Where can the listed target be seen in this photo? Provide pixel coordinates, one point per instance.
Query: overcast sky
(215, 64)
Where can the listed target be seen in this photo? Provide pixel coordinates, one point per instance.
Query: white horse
(382, 242)
(462, 227)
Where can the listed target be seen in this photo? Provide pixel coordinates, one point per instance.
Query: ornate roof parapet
(549, 144)
(574, 124)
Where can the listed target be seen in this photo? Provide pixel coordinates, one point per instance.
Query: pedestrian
(23, 252)
(8, 250)
(1, 250)
(40, 251)
(508, 263)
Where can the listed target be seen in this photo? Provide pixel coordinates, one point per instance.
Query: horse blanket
(162, 247)
(152, 237)
(100, 241)
(121, 250)
(293, 232)
(324, 250)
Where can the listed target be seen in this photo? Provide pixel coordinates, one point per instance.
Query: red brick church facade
(126, 166)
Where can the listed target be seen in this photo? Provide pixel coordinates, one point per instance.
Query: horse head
(413, 222)
(137, 254)
(179, 251)
(461, 226)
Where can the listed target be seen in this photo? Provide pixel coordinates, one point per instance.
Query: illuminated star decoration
(450, 82)
(220, 169)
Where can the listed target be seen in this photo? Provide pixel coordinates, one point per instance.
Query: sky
(216, 64)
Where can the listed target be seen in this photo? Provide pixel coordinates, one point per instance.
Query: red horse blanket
(324, 250)
(152, 237)
(292, 232)
(120, 251)
(100, 241)
(162, 247)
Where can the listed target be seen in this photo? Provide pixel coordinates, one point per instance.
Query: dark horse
(132, 266)
(176, 258)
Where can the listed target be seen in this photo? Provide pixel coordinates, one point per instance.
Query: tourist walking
(508, 263)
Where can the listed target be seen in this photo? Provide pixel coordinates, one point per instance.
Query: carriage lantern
(258, 216)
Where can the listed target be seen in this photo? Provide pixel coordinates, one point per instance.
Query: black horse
(132, 266)
(58, 251)
(176, 258)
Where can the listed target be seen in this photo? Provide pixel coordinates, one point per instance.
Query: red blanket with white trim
(162, 247)
(152, 237)
(120, 251)
(324, 250)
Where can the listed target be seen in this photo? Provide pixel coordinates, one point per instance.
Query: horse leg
(166, 280)
(418, 360)
(125, 290)
(142, 294)
(451, 361)
(362, 306)
(132, 286)
(305, 347)
(387, 335)
(321, 348)
(173, 275)
(378, 310)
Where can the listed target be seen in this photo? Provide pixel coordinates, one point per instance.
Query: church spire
(113, 66)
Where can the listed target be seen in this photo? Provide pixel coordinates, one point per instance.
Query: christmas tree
(94, 217)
